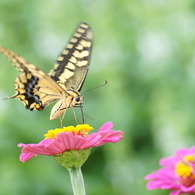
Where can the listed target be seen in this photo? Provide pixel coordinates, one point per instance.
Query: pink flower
(177, 173)
(69, 138)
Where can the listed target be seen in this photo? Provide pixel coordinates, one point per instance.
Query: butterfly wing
(72, 65)
(33, 87)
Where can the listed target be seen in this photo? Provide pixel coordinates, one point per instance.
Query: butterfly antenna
(105, 83)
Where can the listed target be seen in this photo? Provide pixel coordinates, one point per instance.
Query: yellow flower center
(82, 130)
(185, 169)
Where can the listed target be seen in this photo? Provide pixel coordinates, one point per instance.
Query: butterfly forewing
(72, 65)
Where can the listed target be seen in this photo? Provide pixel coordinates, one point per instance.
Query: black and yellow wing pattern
(72, 65)
(37, 89)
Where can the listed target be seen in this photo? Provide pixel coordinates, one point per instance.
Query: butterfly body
(37, 89)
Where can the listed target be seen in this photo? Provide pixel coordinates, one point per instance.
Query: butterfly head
(76, 98)
(71, 99)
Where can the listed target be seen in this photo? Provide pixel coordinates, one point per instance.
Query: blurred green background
(143, 48)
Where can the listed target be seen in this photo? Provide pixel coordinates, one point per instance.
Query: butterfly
(63, 83)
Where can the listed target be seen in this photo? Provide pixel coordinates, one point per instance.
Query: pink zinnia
(70, 138)
(177, 174)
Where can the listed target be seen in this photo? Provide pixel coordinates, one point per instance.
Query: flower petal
(109, 136)
(38, 148)
(26, 156)
(108, 125)
(71, 141)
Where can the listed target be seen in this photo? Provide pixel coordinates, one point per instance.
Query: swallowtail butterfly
(37, 89)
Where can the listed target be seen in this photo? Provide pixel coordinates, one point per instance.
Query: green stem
(77, 181)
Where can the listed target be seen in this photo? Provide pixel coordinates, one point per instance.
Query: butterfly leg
(75, 116)
(82, 114)
(88, 116)
(61, 119)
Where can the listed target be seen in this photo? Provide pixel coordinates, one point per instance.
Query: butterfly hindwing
(33, 87)
(72, 65)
